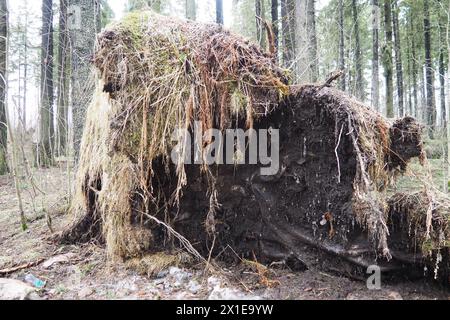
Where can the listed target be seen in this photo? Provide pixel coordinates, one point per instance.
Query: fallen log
(337, 157)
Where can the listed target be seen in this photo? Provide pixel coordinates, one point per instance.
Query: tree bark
(191, 10)
(409, 73)
(447, 171)
(414, 69)
(302, 44)
(398, 59)
(430, 102)
(358, 63)
(83, 29)
(219, 11)
(375, 55)
(155, 5)
(442, 69)
(387, 59)
(25, 74)
(275, 27)
(3, 86)
(260, 28)
(46, 125)
(423, 94)
(288, 25)
(312, 39)
(63, 79)
(342, 84)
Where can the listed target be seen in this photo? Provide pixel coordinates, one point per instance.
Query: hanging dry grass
(156, 75)
(423, 222)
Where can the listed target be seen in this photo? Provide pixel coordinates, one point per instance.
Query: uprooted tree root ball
(156, 75)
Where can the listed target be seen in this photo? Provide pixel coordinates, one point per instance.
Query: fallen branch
(333, 77)
(21, 267)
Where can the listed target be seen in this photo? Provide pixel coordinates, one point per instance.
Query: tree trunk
(358, 63)
(288, 25)
(312, 39)
(46, 125)
(442, 88)
(275, 28)
(260, 12)
(3, 86)
(219, 11)
(191, 10)
(387, 59)
(156, 5)
(14, 165)
(423, 95)
(442, 70)
(342, 85)
(25, 74)
(409, 73)
(413, 67)
(447, 171)
(302, 44)
(63, 79)
(430, 111)
(375, 55)
(83, 29)
(398, 59)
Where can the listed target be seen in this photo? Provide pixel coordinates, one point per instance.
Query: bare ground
(84, 272)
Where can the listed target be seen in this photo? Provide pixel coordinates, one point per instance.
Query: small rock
(230, 294)
(62, 258)
(179, 275)
(351, 296)
(219, 293)
(213, 282)
(162, 274)
(394, 295)
(174, 271)
(194, 287)
(128, 285)
(85, 292)
(177, 284)
(16, 290)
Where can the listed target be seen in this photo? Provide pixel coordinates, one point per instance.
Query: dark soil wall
(271, 216)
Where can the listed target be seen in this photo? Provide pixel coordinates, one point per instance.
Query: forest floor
(84, 272)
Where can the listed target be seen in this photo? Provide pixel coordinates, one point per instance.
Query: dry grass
(156, 75)
(152, 264)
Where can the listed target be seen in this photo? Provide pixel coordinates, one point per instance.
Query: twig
(185, 243)
(337, 155)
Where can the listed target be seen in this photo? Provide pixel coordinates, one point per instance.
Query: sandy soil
(84, 272)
